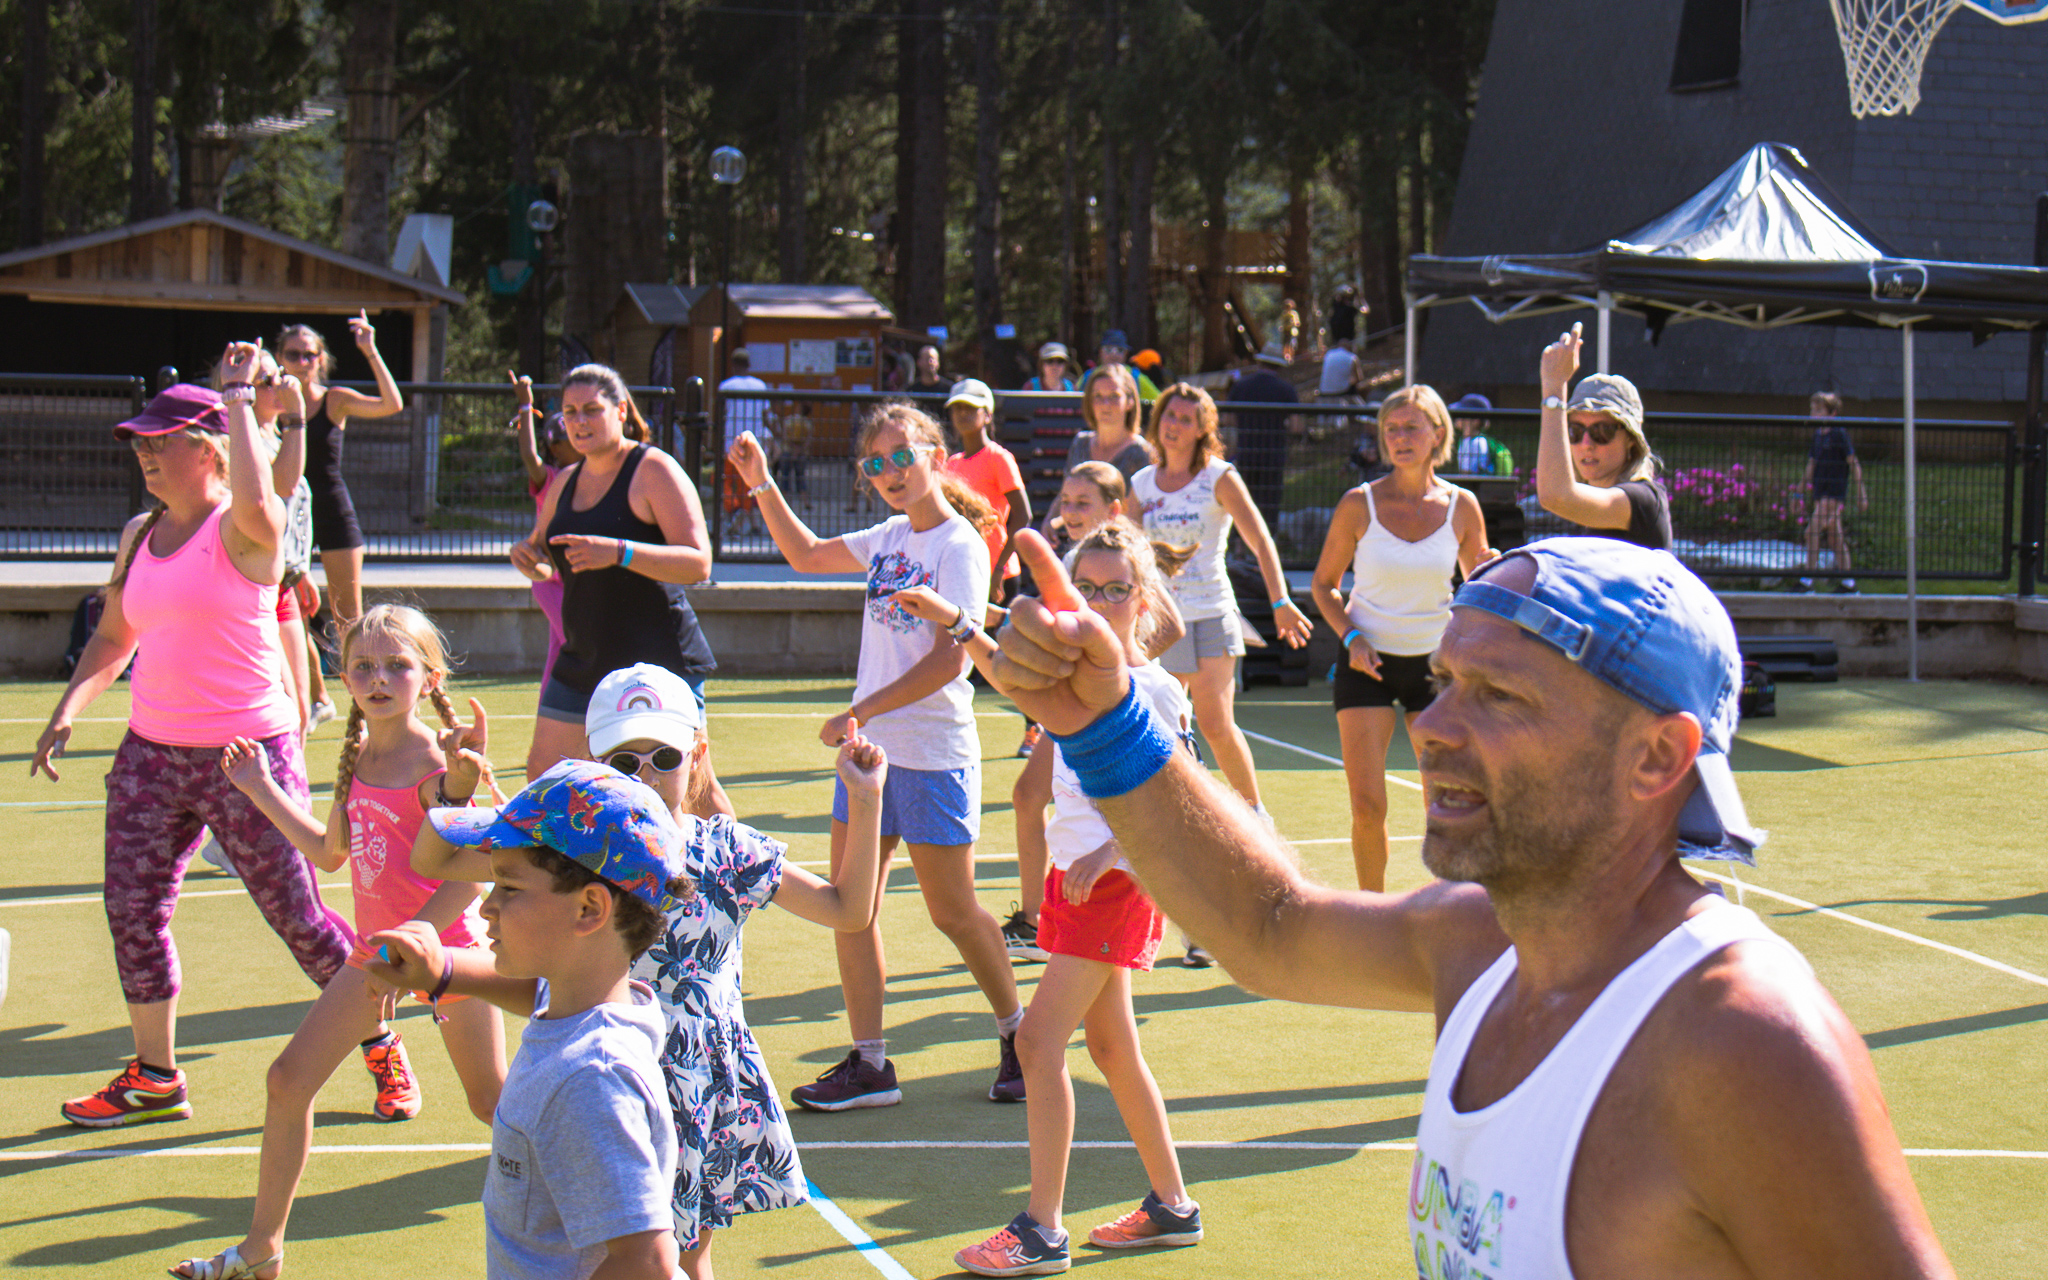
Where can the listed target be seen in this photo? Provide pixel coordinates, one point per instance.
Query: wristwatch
(237, 393)
(1553, 402)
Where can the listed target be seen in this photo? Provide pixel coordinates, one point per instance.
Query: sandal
(227, 1265)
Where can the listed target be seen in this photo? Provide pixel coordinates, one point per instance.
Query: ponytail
(156, 513)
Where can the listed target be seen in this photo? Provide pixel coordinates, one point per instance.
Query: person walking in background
(1478, 453)
(746, 413)
(1339, 383)
(1593, 462)
(304, 354)
(1830, 464)
(1402, 537)
(1115, 351)
(1261, 453)
(1345, 313)
(194, 602)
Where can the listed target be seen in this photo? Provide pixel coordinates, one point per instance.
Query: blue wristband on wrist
(1119, 752)
(625, 554)
(1351, 635)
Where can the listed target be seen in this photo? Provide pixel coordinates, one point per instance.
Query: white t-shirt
(1339, 367)
(937, 731)
(1190, 516)
(746, 415)
(1078, 828)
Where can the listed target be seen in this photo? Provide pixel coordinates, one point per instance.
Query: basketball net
(1884, 45)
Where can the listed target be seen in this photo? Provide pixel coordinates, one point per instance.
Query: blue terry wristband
(1119, 752)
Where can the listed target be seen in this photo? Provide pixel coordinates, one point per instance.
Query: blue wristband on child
(1119, 752)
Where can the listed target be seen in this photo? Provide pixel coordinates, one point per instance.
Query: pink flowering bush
(1734, 501)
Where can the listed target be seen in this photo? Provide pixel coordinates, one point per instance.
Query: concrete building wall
(1578, 138)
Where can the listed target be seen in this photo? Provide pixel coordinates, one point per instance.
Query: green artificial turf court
(1913, 813)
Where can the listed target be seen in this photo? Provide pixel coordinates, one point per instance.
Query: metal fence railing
(443, 480)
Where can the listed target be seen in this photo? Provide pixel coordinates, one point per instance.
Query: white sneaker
(322, 712)
(217, 857)
(1197, 956)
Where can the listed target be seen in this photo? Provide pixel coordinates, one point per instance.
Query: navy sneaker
(1020, 937)
(1151, 1225)
(853, 1083)
(1009, 1085)
(1020, 1249)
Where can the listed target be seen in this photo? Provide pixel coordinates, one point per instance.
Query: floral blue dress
(734, 1150)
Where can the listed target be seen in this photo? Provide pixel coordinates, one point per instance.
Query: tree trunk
(988, 186)
(148, 191)
(1070, 196)
(531, 304)
(1300, 284)
(1111, 212)
(921, 164)
(1140, 315)
(35, 104)
(790, 140)
(368, 74)
(1215, 277)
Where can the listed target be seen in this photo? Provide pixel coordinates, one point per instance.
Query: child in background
(544, 449)
(392, 767)
(912, 695)
(991, 471)
(587, 862)
(1098, 926)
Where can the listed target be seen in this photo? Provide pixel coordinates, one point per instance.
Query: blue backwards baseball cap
(614, 826)
(1643, 624)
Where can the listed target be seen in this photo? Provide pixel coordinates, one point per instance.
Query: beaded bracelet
(760, 488)
(441, 987)
(962, 628)
(1118, 753)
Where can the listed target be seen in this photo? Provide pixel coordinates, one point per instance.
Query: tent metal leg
(1603, 347)
(1912, 515)
(1408, 334)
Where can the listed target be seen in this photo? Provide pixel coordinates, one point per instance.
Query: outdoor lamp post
(728, 166)
(542, 217)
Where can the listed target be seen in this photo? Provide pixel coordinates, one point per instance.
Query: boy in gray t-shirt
(587, 864)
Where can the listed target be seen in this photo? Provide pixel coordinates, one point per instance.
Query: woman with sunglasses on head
(624, 533)
(304, 355)
(911, 698)
(1593, 462)
(1403, 537)
(194, 602)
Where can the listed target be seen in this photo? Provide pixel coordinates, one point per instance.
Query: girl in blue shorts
(910, 697)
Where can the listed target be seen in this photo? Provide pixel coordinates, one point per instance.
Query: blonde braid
(142, 535)
(353, 737)
(446, 706)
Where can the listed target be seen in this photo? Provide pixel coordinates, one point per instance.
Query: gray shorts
(1208, 638)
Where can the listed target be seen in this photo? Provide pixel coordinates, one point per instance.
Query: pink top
(992, 472)
(208, 667)
(382, 824)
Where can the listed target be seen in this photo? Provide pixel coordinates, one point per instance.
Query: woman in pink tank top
(193, 603)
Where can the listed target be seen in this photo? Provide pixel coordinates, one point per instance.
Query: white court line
(860, 1240)
(342, 886)
(481, 1148)
(1317, 755)
(1744, 886)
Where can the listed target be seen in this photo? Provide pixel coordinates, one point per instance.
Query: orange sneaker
(132, 1098)
(1150, 1225)
(398, 1093)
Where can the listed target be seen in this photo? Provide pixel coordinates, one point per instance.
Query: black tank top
(323, 451)
(614, 617)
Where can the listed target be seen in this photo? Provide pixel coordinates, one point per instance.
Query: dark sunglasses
(1603, 431)
(664, 760)
(1113, 592)
(900, 458)
(297, 356)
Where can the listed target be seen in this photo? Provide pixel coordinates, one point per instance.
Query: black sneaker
(1197, 956)
(1009, 1085)
(853, 1083)
(1846, 587)
(1020, 937)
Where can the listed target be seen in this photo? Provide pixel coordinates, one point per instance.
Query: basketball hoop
(1885, 43)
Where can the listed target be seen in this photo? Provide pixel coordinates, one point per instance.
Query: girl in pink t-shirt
(393, 766)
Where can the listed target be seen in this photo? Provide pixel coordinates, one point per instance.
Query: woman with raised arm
(1402, 536)
(623, 531)
(194, 602)
(340, 536)
(1593, 462)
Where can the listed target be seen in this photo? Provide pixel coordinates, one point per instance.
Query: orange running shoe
(398, 1093)
(132, 1098)
(1020, 1249)
(1150, 1225)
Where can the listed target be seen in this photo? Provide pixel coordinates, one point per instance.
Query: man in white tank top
(1633, 1078)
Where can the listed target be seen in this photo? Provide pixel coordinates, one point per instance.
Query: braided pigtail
(353, 737)
(156, 513)
(445, 707)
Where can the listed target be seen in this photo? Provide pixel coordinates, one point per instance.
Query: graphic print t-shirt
(936, 731)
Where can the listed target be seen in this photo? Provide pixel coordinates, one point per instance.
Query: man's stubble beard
(1538, 831)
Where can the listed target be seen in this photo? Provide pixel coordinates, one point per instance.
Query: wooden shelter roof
(198, 259)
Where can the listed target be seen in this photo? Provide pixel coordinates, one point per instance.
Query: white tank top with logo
(1190, 516)
(1488, 1191)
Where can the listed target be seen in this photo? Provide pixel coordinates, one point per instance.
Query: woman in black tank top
(625, 531)
(303, 352)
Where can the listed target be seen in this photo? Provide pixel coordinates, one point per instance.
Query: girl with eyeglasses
(734, 1150)
(1402, 537)
(1593, 462)
(304, 355)
(623, 531)
(912, 695)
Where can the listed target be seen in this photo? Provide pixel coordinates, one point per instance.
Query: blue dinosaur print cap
(608, 823)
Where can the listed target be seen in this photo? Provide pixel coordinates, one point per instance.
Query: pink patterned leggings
(158, 799)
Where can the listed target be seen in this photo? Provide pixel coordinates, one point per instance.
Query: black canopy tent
(1765, 245)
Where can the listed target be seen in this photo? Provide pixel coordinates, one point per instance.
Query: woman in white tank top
(1401, 536)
